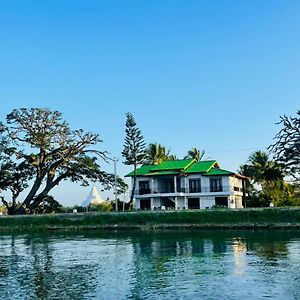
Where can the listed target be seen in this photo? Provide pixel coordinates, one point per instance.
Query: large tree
(39, 150)
(134, 149)
(286, 148)
(195, 153)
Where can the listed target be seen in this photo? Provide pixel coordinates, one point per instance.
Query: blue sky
(215, 75)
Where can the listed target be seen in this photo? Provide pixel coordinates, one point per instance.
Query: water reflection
(185, 265)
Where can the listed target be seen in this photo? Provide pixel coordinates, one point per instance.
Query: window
(216, 184)
(144, 187)
(195, 185)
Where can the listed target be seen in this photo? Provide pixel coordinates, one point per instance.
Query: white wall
(235, 202)
(207, 202)
(180, 202)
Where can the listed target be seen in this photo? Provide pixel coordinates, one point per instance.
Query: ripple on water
(151, 266)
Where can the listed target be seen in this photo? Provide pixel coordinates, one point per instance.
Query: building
(187, 184)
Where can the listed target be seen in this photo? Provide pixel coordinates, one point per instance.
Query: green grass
(139, 219)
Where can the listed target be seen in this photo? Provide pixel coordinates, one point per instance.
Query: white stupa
(93, 198)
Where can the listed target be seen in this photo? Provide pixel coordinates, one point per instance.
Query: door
(194, 203)
(145, 204)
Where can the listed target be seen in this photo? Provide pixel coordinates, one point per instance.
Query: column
(175, 184)
(151, 204)
(186, 203)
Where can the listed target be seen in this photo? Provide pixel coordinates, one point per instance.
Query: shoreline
(225, 219)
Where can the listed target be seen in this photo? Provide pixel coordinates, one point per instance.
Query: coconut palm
(156, 154)
(260, 168)
(195, 153)
(262, 171)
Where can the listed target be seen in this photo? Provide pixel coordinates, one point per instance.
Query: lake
(148, 265)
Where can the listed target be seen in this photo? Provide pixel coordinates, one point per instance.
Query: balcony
(183, 190)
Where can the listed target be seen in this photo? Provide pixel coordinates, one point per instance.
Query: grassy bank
(190, 219)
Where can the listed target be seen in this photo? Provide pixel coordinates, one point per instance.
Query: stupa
(93, 198)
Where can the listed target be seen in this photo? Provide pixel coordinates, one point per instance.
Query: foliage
(195, 153)
(49, 205)
(269, 176)
(286, 149)
(173, 157)
(260, 168)
(39, 150)
(105, 206)
(156, 154)
(219, 207)
(208, 218)
(134, 148)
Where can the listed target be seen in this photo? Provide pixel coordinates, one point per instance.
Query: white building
(187, 184)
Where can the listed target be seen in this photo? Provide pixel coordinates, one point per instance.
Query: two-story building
(187, 184)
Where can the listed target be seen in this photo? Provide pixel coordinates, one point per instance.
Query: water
(185, 265)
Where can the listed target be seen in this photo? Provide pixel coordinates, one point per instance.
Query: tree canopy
(156, 154)
(195, 153)
(39, 150)
(266, 182)
(286, 148)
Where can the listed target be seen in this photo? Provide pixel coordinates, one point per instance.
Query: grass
(213, 218)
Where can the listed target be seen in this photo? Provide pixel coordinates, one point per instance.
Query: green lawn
(267, 217)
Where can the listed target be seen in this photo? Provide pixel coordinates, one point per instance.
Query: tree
(260, 168)
(39, 150)
(269, 175)
(156, 154)
(134, 148)
(195, 153)
(286, 149)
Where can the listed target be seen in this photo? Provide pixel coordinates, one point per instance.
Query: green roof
(217, 171)
(143, 170)
(162, 173)
(201, 166)
(181, 164)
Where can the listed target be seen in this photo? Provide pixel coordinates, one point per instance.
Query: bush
(105, 206)
(219, 206)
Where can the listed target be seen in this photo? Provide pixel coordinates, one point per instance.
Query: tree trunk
(133, 187)
(33, 191)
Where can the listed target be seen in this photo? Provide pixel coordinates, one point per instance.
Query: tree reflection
(87, 265)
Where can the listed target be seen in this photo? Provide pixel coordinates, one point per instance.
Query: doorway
(194, 203)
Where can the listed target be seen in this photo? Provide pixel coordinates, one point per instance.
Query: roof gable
(201, 166)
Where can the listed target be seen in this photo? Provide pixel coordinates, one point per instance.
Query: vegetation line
(285, 218)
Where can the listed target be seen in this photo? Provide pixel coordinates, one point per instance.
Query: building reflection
(91, 265)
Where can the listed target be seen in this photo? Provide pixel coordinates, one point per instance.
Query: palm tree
(156, 154)
(262, 171)
(261, 168)
(195, 153)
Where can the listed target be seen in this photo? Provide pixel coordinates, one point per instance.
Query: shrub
(105, 206)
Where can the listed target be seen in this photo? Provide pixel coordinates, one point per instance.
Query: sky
(215, 75)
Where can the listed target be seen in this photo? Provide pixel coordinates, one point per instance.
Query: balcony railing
(207, 189)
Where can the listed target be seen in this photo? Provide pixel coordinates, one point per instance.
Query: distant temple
(93, 198)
